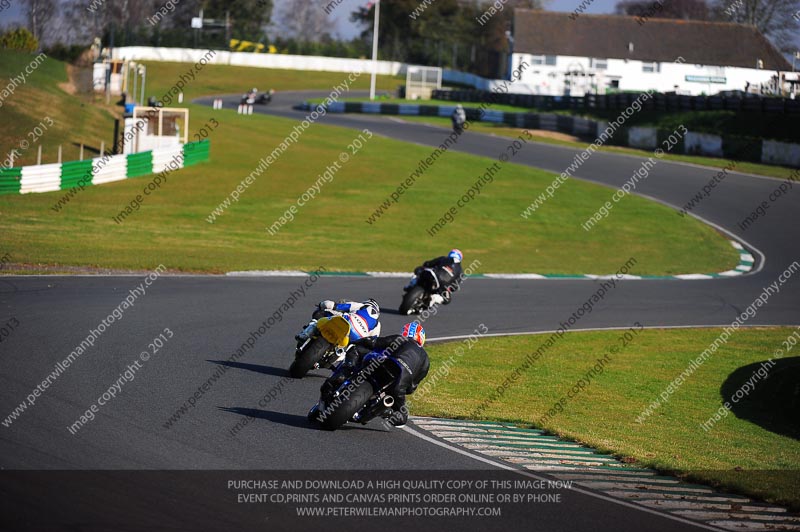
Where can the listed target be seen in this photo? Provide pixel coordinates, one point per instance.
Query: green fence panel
(196, 152)
(75, 173)
(140, 164)
(10, 180)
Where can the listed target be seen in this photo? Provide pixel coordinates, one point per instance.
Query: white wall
(299, 62)
(549, 79)
(283, 61)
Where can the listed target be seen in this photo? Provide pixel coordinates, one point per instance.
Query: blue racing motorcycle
(357, 394)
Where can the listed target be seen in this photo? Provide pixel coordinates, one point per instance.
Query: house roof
(663, 40)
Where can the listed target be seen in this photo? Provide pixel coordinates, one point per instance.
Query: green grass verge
(780, 172)
(331, 230)
(604, 414)
(75, 119)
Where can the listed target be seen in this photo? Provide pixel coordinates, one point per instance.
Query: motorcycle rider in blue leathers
(363, 318)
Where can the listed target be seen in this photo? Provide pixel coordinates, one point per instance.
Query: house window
(543, 59)
(650, 67)
(598, 64)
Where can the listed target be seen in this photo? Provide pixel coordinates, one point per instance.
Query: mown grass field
(735, 454)
(331, 230)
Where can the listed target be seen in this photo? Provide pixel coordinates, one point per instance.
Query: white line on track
(600, 496)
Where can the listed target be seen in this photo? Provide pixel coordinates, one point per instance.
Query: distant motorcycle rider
(448, 274)
(405, 349)
(459, 118)
(363, 317)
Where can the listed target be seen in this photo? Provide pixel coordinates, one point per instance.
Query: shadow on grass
(767, 394)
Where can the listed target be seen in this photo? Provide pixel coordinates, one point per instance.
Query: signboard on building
(706, 79)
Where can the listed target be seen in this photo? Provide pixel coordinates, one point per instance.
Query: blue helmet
(456, 255)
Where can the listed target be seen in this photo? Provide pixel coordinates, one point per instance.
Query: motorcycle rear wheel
(309, 356)
(411, 300)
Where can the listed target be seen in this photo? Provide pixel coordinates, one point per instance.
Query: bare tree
(773, 18)
(306, 19)
(40, 15)
(680, 9)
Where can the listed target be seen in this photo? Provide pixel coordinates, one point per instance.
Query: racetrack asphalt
(212, 316)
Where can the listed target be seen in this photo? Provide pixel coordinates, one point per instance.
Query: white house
(571, 54)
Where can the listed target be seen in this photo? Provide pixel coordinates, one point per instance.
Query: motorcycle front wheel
(310, 355)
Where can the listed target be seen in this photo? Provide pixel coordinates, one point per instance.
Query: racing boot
(305, 334)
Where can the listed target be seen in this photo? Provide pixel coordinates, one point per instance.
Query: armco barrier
(76, 173)
(774, 152)
(100, 170)
(140, 164)
(10, 180)
(659, 101)
(195, 152)
(734, 148)
(42, 178)
(109, 169)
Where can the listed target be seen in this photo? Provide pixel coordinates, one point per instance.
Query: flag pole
(375, 50)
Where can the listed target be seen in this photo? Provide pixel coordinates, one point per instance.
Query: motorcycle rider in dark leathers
(406, 349)
(449, 273)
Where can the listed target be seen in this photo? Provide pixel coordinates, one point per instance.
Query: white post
(375, 49)
(144, 78)
(102, 148)
(135, 79)
(39, 157)
(59, 154)
(81, 151)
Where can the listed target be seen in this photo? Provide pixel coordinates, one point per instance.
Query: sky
(346, 29)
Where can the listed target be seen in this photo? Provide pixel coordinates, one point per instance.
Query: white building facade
(556, 75)
(566, 54)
